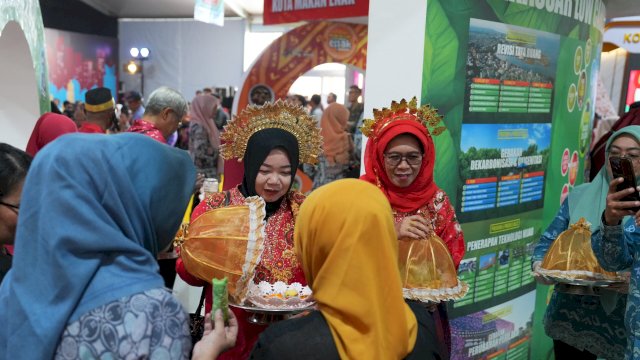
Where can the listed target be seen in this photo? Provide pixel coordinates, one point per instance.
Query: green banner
(515, 81)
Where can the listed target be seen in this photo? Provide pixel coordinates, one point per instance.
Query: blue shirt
(580, 320)
(617, 249)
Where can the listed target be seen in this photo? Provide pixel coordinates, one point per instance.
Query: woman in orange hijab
(337, 145)
(350, 261)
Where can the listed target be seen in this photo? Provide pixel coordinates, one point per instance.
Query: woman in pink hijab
(204, 137)
(49, 127)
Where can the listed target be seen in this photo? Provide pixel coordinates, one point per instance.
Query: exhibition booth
(516, 85)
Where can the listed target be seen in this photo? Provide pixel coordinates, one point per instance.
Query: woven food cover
(570, 256)
(427, 271)
(227, 242)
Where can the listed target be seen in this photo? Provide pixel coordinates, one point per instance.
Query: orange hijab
(350, 261)
(333, 128)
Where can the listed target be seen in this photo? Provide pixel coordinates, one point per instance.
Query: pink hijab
(203, 110)
(49, 127)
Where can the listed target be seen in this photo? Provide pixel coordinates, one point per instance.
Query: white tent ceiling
(171, 8)
(253, 8)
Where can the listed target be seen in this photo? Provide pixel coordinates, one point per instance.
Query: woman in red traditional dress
(271, 140)
(399, 159)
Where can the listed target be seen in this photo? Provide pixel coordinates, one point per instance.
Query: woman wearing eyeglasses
(399, 159)
(14, 164)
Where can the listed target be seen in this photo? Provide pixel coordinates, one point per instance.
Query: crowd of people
(95, 210)
(339, 125)
(88, 215)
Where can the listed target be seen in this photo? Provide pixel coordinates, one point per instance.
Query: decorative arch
(291, 56)
(28, 15)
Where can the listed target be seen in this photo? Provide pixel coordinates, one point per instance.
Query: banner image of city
(79, 62)
(500, 332)
(502, 167)
(510, 73)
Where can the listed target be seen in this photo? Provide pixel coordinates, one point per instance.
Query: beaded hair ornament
(403, 110)
(279, 115)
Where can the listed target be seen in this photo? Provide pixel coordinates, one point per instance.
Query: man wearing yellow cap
(100, 111)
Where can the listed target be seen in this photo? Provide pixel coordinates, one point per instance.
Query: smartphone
(622, 167)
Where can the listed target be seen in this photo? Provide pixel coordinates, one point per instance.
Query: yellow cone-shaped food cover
(227, 242)
(570, 256)
(427, 271)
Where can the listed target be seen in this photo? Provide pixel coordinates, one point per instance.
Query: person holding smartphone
(587, 326)
(615, 243)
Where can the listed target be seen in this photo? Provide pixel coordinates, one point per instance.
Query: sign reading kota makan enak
(289, 11)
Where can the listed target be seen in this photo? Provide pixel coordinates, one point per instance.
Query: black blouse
(309, 337)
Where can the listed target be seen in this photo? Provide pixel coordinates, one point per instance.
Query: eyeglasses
(395, 159)
(178, 117)
(14, 208)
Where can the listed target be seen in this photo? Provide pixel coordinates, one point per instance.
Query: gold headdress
(279, 115)
(425, 114)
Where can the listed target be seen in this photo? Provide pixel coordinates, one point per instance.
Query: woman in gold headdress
(399, 159)
(271, 140)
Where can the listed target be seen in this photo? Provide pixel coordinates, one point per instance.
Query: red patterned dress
(278, 262)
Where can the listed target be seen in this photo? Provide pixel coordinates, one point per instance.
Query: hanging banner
(515, 82)
(209, 11)
(290, 11)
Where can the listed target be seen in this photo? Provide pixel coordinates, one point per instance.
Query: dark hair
(316, 99)
(55, 108)
(356, 88)
(14, 164)
(302, 100)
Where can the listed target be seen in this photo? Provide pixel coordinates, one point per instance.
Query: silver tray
(258, 310)
(262, 316)
(581, 282)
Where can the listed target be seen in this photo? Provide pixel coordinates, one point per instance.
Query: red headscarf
(49, 127)
(422, 189)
